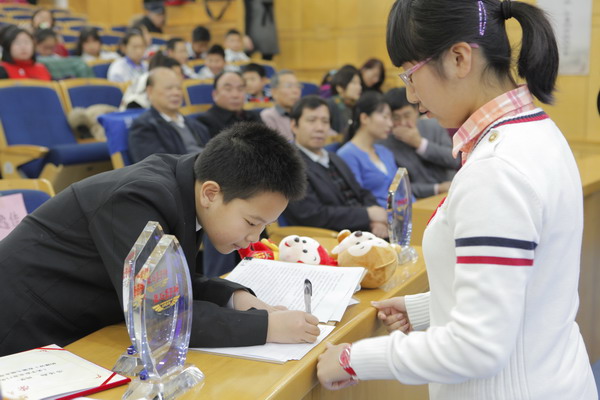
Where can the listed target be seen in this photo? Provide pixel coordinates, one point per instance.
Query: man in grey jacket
(421, 146)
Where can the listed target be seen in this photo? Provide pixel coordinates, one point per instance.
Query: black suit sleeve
(114, 229)
(143, 141)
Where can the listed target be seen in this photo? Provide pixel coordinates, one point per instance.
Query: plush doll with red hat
(294, 248)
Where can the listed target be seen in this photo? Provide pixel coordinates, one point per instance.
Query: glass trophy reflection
(399, 208)
(129, 362)
(162, 322)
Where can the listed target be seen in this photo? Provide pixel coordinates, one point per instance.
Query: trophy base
(168, 387)
(128, 364)
(408, 255)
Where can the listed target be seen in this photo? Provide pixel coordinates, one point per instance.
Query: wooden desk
(232, 378)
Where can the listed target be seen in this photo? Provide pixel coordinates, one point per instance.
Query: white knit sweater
(502, 255)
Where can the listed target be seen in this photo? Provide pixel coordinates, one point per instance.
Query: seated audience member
(421, 146)
(229, 95)
(234, 47)
(325, 86)
(132, 64)
(346, 89)
(45, 43)
(44, 19)
(334, 200)
(373, 75)
(151, 49)
(163, 129)
(175, 48)
(255, 77)
(89, 46)
(214, 64)
(373, 164)
(198, 48)
(135, 96)
(64, 261)
(18, 57)
(154, 18)
(286, 91)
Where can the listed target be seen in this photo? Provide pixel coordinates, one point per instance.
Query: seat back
(35, 191)
(309, 88)
(116, 126)
(32, 112)
(112, 38)
(89, 91)
(100, 67)
(197, 92)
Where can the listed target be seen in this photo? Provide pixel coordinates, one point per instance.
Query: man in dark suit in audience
(162, 129)
(334, 200)
(421, 146)
(229, 95)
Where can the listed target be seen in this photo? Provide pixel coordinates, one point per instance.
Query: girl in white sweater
(502, 251)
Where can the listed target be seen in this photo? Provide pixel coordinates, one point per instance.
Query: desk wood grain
(232, 378)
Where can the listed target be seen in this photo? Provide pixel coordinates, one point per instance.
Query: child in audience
(45, 43)
(198, 48)
(176, 49)
(44, 19)
(234, 47)
(89, 46)
(346, 88)
(215, 63)
(64, 261)
(18, 57)
(132, 64)
(503, 249)
(255, 77)
(373, 164)
(373, 74)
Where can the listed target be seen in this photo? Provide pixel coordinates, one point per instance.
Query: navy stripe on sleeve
(496, 242)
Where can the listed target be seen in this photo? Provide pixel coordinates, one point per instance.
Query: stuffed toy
(294, 248)
(364, 249)
(303, 249)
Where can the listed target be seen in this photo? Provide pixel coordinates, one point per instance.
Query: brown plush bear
(363, 249)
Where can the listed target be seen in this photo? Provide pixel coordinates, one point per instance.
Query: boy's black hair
(419, 29)
(311, 102)
(200, 34)
(43, 34)
(343, 77)
(216, 49)
(171, 43)
(9, 36)
(85, 34)
(249, 158)
(369, 102)
(233, 32)
(253, 67)
(220, 74)
(396, 99)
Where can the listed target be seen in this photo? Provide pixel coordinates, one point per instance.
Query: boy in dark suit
(62, 267)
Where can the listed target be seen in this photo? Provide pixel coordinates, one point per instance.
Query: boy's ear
(209, 193)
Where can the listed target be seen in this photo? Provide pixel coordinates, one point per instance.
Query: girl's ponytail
(538, 59)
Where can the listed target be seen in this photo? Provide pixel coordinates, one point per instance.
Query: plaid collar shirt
(506, 105)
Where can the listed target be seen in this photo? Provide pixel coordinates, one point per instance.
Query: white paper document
(282, 283)
(52, 372)
(271, 352)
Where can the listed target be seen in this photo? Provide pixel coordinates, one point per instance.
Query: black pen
(307, 294)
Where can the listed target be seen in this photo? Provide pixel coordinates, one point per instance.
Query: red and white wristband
(345, 362)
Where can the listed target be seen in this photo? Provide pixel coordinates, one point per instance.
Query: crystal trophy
(399, 208)
(129, 362)
(162, 322)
